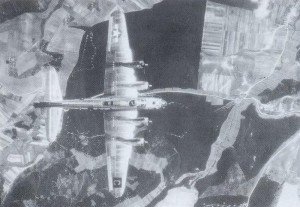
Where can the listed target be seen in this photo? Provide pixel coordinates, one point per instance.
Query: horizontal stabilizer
(52, 86)
(53, 115)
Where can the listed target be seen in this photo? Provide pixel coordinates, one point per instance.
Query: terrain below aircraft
(121, 102)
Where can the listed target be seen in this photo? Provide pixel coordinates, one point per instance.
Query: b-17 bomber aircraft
(120, 101)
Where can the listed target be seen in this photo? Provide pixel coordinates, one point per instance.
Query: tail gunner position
(120, 101)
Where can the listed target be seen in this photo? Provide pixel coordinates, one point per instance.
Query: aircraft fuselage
(109, 103)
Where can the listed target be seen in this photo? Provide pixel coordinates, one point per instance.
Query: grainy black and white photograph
(150, 103)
